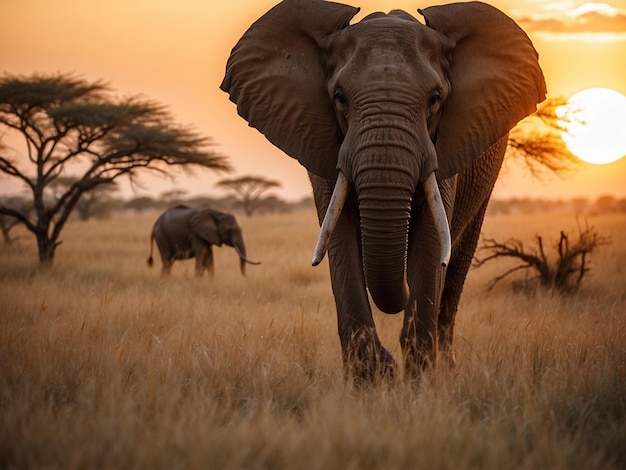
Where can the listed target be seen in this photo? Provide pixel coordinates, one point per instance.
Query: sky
(175, 51)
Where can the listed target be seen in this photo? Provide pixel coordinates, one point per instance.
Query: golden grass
(105, 364)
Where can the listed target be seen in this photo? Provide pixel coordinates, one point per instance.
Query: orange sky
(174, 51)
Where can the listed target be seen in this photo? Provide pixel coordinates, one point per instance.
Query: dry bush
(562, 270)
(105, 364)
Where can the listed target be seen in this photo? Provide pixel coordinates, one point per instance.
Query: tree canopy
(248, 189)
(69, 124)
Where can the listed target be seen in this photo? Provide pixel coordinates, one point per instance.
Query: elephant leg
(418, 338)
(426, 277)
(199, 265)
(203, 253)
(364, 357)
(167, 267)
(204, 261)
(166, 253)
(207, 261)
(210, 264)
(471, 199)
(455, 278)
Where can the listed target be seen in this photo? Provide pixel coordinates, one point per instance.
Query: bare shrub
(564, 274)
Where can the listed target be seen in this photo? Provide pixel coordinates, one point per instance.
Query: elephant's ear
(277, 77)
(495, 81)
(204, 224)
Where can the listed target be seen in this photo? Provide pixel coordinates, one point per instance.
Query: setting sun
(594, 123)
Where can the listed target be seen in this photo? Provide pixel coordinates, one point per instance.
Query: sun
(594, 123)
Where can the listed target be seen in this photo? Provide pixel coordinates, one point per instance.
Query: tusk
(241, 255)
(337, 200)
(435, 204)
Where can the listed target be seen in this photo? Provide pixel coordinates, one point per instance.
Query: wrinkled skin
(182, 233)
(386, 102)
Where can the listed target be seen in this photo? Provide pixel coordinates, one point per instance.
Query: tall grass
(105, 364)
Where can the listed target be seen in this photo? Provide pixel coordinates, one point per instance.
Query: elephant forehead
(397, 30)
(389, 49)
(389, 39)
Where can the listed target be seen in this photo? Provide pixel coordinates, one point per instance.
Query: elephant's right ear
(277, 77)
(204, 224)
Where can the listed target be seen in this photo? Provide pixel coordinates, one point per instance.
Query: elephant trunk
(240, 248)
(242, 265)
(385, 208)
(385, 196)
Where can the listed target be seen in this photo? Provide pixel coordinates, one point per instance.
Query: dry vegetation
(562, 268)
(105, 365)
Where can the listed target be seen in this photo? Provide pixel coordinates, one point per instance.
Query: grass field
(103, 364)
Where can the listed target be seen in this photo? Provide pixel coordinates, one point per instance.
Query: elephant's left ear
(495, 81)
(204, 224)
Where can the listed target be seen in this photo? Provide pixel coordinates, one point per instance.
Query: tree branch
(572, 259)
(497, 279)
(17, 215)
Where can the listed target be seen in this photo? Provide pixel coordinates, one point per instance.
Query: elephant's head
(381, 104)
(219, 228)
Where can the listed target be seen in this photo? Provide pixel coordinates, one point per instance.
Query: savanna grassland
(103, 364)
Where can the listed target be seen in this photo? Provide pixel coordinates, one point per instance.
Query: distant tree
(172, 196)
(564, 272)
(206, 201)
(92, 203)
(606, 204)
(580, 204)
(95, 203)
(248, 189)
(537, 141)
(70, 124)
(272, 205)
(142, 203)
(306, 203)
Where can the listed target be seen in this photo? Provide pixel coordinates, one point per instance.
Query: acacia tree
(248, 190)
(70, 124)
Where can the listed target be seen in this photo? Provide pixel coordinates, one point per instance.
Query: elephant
(402, 126)
(182, 232)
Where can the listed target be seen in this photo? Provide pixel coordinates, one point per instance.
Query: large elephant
(182, 233)
(408, 122)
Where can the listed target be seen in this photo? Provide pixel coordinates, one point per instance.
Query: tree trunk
(46, 248)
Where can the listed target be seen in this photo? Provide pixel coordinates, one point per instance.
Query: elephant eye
(434, 100)
(340, 99)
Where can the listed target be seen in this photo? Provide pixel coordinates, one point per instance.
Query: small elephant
(402, 126)
(182, 233)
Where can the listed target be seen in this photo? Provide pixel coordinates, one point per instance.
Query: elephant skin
(380, 105)
(182, 232)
